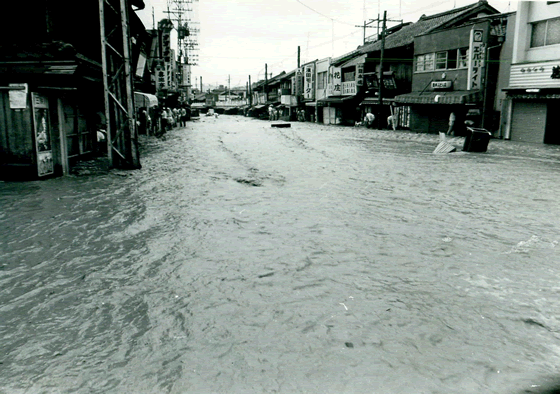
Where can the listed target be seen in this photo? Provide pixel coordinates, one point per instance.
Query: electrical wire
(325, 16)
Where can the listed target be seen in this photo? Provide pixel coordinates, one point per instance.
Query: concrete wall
(528, 12)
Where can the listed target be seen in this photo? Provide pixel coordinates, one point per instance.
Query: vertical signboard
(360, 74)
(309, 91)
(476, 60)
(335, 81)
(42, 134)
(299, 82)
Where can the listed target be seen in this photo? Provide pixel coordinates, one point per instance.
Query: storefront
(430, 111)
(533, 115)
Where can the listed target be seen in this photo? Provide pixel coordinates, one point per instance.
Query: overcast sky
(237, 37)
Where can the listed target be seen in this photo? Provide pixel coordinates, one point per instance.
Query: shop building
(456, 72)
(52, 99)
(533, 92)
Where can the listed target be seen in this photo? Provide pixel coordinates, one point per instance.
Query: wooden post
(265, 83)
(381, 69)
(105, 84)
(62, 136)
(132, 132)
(250, 93)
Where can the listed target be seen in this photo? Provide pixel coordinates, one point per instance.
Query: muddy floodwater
(313, 259)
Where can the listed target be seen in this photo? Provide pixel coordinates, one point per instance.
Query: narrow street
(313, 259)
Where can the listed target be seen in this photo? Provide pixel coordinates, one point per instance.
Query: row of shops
(473, 65)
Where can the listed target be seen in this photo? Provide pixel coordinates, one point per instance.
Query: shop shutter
(528, 121)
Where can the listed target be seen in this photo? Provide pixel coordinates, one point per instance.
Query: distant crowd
(158, 120)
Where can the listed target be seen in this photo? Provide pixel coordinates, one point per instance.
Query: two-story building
(288, 99)
(533, 92)
(456, 71)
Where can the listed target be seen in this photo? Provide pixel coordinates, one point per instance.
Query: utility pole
(265, 82)
(366, 25)
(298, 56)
(228, 85)
(201, 91)
(381, 79)
(250, 92)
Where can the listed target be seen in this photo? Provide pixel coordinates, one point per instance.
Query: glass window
(553, 32)
(545, 33)
(420, 63)
(452, 59)
(441, 60)
(538, 33)
(463, 57)
(321, 80)
(429, 61)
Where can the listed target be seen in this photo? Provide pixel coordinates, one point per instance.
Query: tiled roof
(405, 36)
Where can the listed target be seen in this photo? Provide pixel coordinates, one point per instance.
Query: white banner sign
(335, 82)
(309, 91)
(476, 60)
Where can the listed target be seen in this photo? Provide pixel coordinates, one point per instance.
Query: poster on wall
(18, 96)
(476, 60)
(43, 147)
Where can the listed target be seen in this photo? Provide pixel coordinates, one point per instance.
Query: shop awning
(259, 106)
(355, 61)
(335, 100)
(144, 100)
(375, 101)
(311, 104)
(455, 97)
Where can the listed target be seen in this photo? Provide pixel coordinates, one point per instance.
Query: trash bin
(476, 140)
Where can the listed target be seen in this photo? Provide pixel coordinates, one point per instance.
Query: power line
(323, 15)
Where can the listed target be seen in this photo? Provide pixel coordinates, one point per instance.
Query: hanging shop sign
(299, 82)
(43, 147)
(309, 91)
(18, 95)
(359, 75)
(476, 60)
(439, 85)
(335, 82)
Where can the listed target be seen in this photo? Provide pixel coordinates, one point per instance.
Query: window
(321, 80)
(545, 33)
(441, 60)
(444, 60)
(463, 55)
(348, 76)
(452, 59)
(420, 63)
(429, 61)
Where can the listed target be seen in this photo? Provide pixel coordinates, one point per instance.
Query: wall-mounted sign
(349, 88)
(309, 91)
(359, 75)
(476, 60)
(299, 82)
(441, 85)
(335, 82)
(18, 95)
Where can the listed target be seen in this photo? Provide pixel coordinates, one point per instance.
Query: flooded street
(313, 259)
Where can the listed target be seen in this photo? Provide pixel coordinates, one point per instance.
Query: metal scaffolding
(122, 136)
